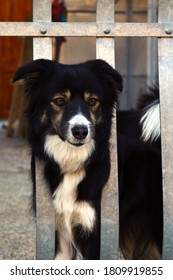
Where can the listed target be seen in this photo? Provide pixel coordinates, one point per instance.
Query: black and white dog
(70, 110)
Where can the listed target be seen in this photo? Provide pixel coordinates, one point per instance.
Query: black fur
(140, 199)
(140, 190)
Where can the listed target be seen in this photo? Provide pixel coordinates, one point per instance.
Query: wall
(10, 48)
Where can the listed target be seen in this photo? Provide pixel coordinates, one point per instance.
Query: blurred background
(135, 59)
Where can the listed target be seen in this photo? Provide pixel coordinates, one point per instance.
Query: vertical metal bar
(105, 49)
(151, 45)
(42, 12)
(45, 228)
(165, 46)
(45, 223)
(129, 57)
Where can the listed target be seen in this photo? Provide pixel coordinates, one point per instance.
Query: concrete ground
(17, 228)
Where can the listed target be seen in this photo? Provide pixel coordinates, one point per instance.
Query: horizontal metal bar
(86, 29)
(120, 12)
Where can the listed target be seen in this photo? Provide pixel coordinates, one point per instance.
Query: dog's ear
(32, 73)
(108, 75)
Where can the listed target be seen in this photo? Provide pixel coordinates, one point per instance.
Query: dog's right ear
(33, 73)
(108, 76)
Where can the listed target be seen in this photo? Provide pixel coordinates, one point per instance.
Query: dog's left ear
(108, 75)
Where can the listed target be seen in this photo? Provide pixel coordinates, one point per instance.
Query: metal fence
(105, 30)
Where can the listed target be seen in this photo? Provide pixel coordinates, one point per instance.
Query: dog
(70, 110)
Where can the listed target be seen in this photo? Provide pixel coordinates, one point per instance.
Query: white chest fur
(70, 212)
(69, 157)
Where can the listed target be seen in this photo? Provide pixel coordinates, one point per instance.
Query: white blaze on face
(79, 119)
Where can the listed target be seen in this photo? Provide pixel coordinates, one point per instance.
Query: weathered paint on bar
(165, 50)
(45, 223)
(105, 49)
(83, 29)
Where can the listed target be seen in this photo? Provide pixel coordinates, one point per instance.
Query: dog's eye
(92, 101)
(59, 101)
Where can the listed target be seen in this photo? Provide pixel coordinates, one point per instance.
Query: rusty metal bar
(83, 29)
(45, 227)
(166, 98)
(105, 49)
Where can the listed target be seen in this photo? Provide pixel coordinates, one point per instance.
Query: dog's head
(70, 101)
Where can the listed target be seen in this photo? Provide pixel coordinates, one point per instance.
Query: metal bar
(105, 49)
(83, 29)
(45, 223)
(45, 228)
(42, 12)
(166, 102)
(129, 57)
(151, 45)
(91, 11)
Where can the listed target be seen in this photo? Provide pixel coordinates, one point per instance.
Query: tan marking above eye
(66, 94)
(61, 99)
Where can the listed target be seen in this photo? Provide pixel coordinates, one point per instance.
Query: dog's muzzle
(80, 130)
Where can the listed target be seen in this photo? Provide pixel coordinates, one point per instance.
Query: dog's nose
(80, 131)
